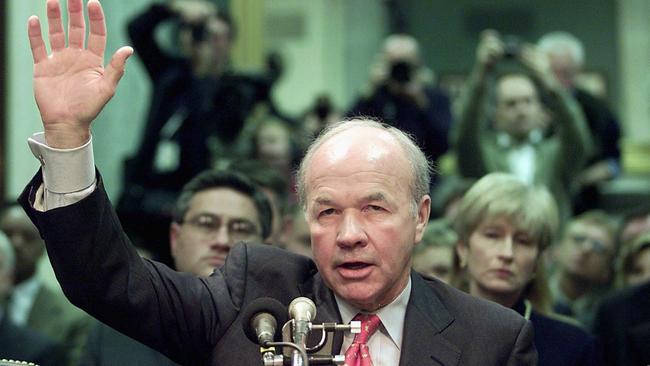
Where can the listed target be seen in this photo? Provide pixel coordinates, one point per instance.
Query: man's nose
(221, 237)
(351, 231)
(17, 240)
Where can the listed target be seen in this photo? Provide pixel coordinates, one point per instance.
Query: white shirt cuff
(64, 170)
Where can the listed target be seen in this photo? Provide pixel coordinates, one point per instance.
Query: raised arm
(466, 134)
(71, 85)
(576, 142)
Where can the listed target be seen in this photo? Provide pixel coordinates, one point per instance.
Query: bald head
(367, 143)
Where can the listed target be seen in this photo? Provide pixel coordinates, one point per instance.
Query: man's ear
(461, 252)
(424, 210)
(174, 233)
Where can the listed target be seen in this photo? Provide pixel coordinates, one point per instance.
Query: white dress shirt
(386, 344)
(22, 300)
(68, 174)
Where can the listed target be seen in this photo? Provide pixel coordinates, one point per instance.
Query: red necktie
(358, 353)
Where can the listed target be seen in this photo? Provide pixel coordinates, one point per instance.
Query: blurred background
(327, 46)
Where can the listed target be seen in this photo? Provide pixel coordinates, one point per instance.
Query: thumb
(115, 68)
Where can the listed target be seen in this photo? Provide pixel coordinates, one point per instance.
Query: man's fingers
(97, 37)
(115, 68)
(55, 26)
(76, 24)
(39, 53)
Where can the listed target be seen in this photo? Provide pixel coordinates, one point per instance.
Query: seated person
(215, 210)
(435, 254)
(504, 226)
(635, 262)
(32, 303)
(19, 342)
(584, 262)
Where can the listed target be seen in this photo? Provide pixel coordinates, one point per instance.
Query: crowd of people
(503, 257)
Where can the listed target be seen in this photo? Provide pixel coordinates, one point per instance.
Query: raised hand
(490, 49)
(537, 62)
(71, 85)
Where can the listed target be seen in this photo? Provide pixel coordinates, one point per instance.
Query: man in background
(20, 342)
(31, 302)
(538, 143)
(566, 56)
(400, 93)
(585, 260)
(214, 211)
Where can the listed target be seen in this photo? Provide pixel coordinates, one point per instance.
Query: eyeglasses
(209, 225)
(594, 245)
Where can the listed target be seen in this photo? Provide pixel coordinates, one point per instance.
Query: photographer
(400, 94)
(541, 143)
(197, 110)
(197, 104)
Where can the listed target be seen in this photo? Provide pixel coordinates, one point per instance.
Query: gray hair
(8, 262)
(421, 168)
(562, 42)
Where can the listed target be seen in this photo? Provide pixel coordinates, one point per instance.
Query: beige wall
(634, 51)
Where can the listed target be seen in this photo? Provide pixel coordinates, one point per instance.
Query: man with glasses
(214, 211)
(585, 257)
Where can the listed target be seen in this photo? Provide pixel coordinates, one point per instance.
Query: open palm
(71, 85)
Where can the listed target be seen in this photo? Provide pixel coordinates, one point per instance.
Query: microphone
(302, 310)
(260, 320)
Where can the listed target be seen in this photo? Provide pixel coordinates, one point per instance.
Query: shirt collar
(506, 141)
(27, 288)
(391, 315)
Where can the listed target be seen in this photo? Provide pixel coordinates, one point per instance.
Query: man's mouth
(354, 265)
(354, 270)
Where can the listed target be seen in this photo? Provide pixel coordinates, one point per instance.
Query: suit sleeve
(524, 352)
(469, 129)
(178, 314)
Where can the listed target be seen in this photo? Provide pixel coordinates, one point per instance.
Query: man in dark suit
(19, 342)
(210, 201)
(532, 129)
(32, 303)
(366, 205)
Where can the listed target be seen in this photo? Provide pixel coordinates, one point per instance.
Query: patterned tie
(358, 353)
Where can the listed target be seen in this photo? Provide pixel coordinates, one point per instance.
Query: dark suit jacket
(107, 347)
(623, 326)
(559, 343)
(197, 321)
(54, 316)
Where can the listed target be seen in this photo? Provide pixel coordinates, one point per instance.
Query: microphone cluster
(260, 320)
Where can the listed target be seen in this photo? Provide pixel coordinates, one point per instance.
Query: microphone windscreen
(263, 305)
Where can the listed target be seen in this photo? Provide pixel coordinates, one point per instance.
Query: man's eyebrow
(377, 196)
(323, 201)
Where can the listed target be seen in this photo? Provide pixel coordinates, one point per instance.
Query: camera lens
(401, 72)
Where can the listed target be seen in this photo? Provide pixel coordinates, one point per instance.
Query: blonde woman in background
(503, 227)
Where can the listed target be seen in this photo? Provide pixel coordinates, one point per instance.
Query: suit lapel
(426, 317)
